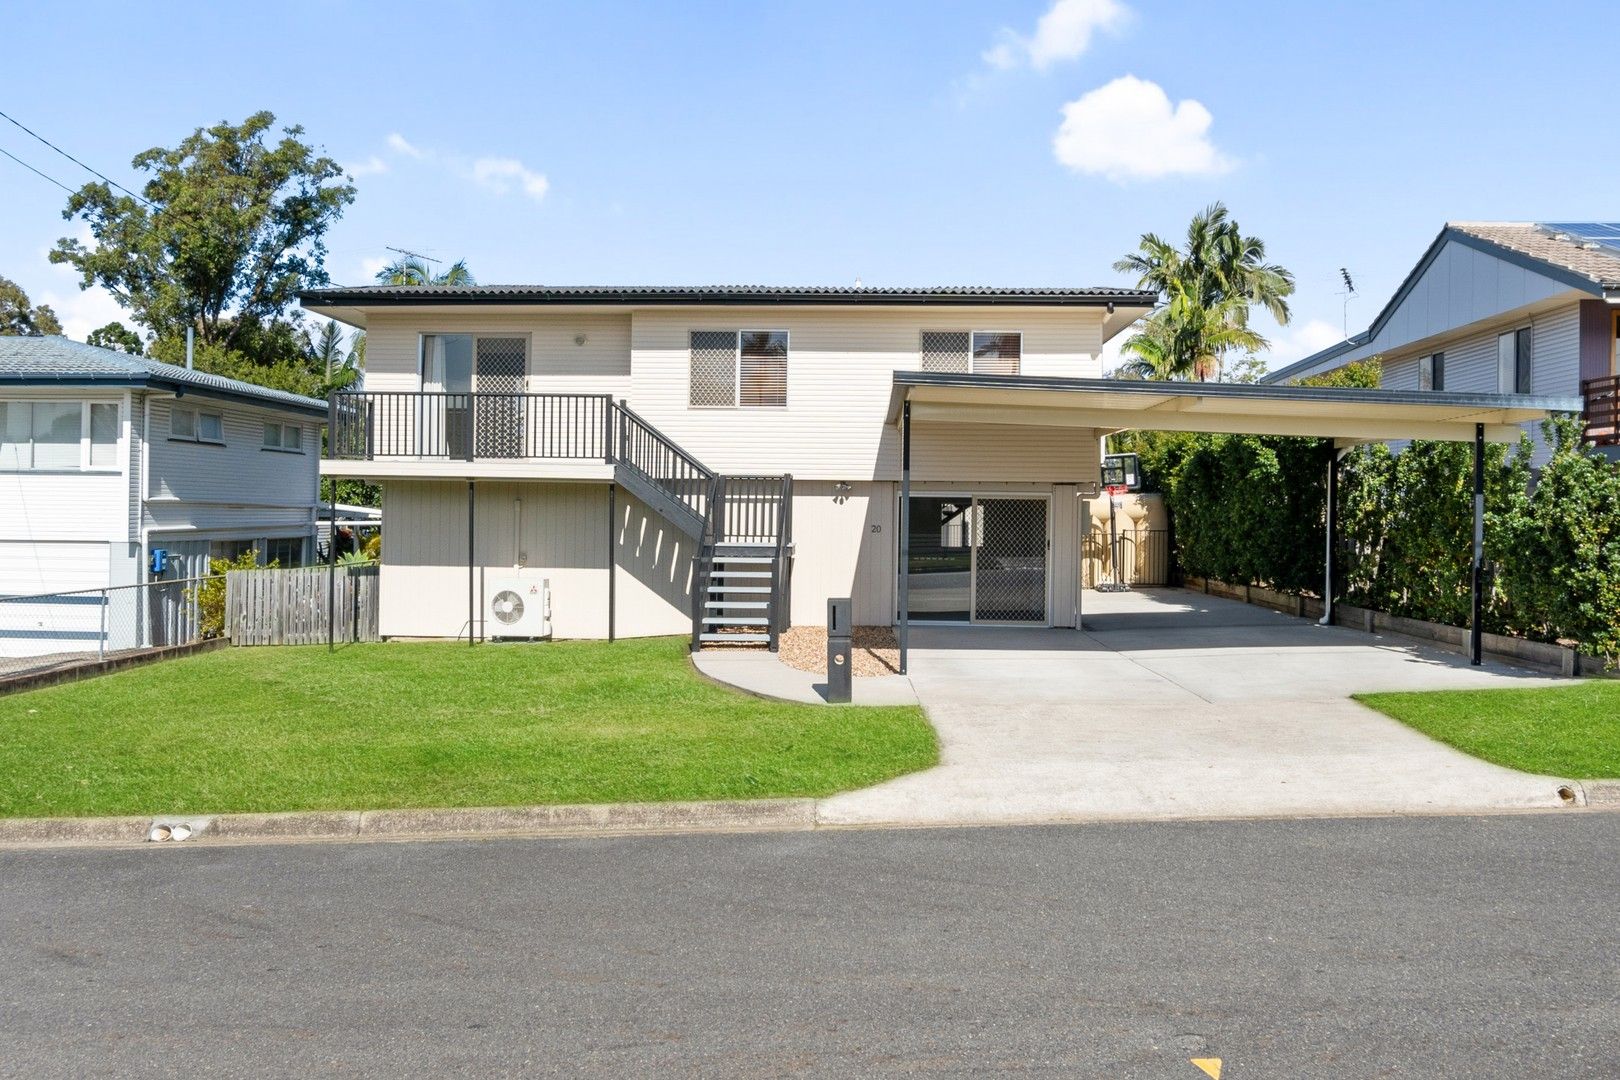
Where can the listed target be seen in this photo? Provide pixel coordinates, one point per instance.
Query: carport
(1344, 418)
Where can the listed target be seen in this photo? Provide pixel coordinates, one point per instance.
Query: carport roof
(1345, 415)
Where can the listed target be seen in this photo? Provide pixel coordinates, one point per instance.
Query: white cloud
(1297, 342)
(372, 265)
(369, 167)
(1064, 32)
(397, 143)
(500, 175)
(1130, 130)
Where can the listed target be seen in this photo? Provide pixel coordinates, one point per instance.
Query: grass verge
(424, 725)
(1570, 731)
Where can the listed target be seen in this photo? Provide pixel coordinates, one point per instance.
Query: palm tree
(327, 346)
(1207, 289)
(412, 270)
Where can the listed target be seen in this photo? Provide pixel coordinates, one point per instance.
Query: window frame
(972, 334)
(1512, 380)
(1432, 371)
(86, 440)
(196, 435)
(283, 429)
(472, 374)
(736, 367)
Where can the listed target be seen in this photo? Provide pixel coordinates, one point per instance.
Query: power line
(76, 161)
(35, 171)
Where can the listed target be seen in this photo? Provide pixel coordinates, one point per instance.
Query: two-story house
(1502, 307)
(721, 461)
(107, 460)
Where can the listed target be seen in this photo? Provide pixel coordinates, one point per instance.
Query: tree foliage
(1207, 289)
(228, 229)
(20, 317)
(115, 335)
(414, 270)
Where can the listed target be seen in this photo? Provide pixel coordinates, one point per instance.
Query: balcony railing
(1602, 410)
(427, 425)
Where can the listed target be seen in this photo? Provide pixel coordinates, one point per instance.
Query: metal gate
(979, 560)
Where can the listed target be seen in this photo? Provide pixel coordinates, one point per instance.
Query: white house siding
(238, 491)
(845, 545)
(1472, 364)
(559, 530)
(557, 363)
(1461, 286)
(840, 369)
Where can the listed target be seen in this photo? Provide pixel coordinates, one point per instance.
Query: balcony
(427, 426)
(1602, 410)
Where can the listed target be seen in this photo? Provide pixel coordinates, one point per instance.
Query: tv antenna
(412, 254)
(1347, 292)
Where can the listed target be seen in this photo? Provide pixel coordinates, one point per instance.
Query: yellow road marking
(1211, 1066)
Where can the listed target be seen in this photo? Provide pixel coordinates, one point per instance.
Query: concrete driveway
(1173, 704)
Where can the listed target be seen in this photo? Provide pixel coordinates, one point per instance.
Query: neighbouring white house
(118, 470)
(1502, 307)
(592, 462)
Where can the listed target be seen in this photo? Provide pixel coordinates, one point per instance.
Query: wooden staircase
(743, 526)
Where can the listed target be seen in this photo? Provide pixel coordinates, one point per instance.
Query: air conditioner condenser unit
(517, 604)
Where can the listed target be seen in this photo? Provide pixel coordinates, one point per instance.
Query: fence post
(101, 642)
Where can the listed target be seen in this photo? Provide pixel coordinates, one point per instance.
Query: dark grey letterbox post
(839, 661)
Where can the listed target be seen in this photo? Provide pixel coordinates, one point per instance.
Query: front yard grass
(424, 725)
(1569, 731)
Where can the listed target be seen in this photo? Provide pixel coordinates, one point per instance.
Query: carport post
(1328, 547)
(331, 569)
(1476, 639)
(905, 534)
(472, 588)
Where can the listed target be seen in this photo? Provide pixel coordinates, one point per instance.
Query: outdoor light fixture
(843, 487)
(580, 339)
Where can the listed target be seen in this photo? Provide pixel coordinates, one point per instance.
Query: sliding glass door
(978, 560)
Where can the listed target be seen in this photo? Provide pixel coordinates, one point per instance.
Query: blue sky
(1023, 143)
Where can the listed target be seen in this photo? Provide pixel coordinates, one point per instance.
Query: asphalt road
(1439, 947)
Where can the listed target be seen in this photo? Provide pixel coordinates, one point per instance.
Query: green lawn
(1570, 731)
(422, 725)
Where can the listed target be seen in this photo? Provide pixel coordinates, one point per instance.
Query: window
(983, 352)
(194, 425)
(447, 363)
(1432, 372)
(1513, 361)
(997, 354)
(738, 367)
(284, 551)
(58, 435)
(284, 437)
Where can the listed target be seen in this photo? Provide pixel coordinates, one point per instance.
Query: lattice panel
(945, 350)
(1010, 564)
(714, 368)
(501, 365)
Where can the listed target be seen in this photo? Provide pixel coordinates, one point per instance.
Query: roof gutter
(158, 382)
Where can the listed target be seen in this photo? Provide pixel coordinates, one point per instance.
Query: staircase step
(749, 605)
(766, 550)
(751, 560)
(765, 574)
(740, 638)
(737, 620)
(755, 590)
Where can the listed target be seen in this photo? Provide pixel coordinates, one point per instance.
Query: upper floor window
(1513, 361)
(738, 367)
(194, 425)
(288, 437)
(982, 352)
(460, 363)
(1432, 372)
(58, 435)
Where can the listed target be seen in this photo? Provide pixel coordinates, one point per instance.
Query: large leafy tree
(115, 335)
(1207, 289)
(414, 270)
(226, 230)
(20, 317)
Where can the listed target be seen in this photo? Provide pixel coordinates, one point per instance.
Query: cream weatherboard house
(599, 462)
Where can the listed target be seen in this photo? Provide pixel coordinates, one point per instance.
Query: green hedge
(1249, 510)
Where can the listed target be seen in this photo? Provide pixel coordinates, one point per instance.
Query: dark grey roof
(364, 295)
(58, 361)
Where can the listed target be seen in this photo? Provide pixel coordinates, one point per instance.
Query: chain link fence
(54, 630)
